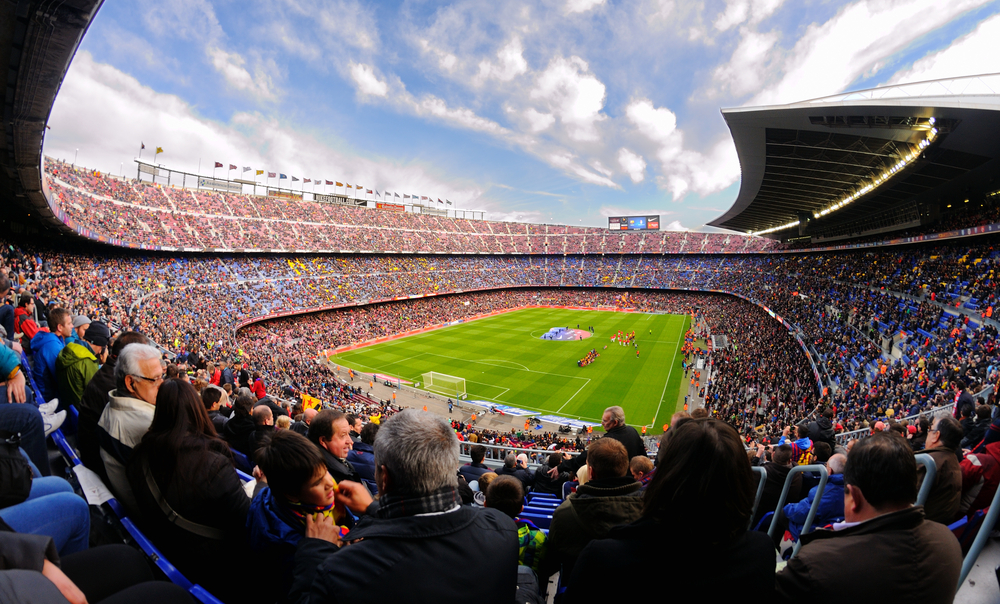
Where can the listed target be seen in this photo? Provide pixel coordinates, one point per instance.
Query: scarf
(299, 510)
(398, 506)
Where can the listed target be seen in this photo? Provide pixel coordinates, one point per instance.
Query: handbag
(15, 471)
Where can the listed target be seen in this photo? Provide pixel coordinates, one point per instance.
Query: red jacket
(258, 388)
(24, 323)
(980, 478)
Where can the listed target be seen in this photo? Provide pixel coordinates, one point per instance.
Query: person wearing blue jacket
(298, 485)
(831, 504)
(46, 346)
(362, 455)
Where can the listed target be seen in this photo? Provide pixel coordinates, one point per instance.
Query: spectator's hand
(16, 347)
(354, 495)
(15, 388)
(67, 588)
(258, 475)
(553, 473)
(322, 527)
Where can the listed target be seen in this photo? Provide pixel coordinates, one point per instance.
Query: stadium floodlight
(441, 383)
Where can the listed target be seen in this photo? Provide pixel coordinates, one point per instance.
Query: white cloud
(539, 121)
(634, 165)
(831, 55)
(743, 11)
(231, 66)
(746, 69)
(581, 6)
(446, 61)
(105, 113)
(675, 225)
(566, 162)
(510, 63)
(573, 94)
(973, 54)
(684, 170)
(612, 210)
(366, 81)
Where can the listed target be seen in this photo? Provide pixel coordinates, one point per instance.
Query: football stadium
(722, 296)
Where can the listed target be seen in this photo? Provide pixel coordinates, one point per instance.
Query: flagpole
(141, 147)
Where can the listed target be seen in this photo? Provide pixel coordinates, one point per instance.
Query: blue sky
(561, 112)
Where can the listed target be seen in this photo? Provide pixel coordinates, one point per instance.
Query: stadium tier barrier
(845, 437)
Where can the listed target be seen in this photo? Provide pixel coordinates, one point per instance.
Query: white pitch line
(657, 414)
(444, 356)
(506, 361)
(574, 396)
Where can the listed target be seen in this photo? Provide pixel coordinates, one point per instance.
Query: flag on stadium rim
(338, 184)
(447, 202)
(358, 187)
(259, 172)
(232, 167)
(218, 164)
(329, 182)
(159, 150)
(439, 200)
(377, 194)
(406, 196)
(306, 180)
(317, 180)
(142, 145)
(395, 194)
(247, 168)
(280, 176)
(423, 197)
(295, 179)
(368, 191)
(272, 175)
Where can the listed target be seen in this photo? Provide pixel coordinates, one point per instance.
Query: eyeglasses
(149, 379)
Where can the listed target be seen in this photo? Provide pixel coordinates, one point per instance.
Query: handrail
(844, 437)
(930, 468)
(981, 537)
(778, 510)
(760, 492)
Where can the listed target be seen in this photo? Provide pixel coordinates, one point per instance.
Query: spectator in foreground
(415, 537)
(945, 497)
(362, 455)
(190, 501)
(78, 362)
(610, 498)
(46, 346)
(613, 422)
(212, 397)
(698, 504)
(885, 546)
(298, 485)
(507, 495)
(476, 468)
(128, 415)
(831, 504)
(330, 432)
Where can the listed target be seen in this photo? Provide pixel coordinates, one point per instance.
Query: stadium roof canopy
(37, 42)
(842, 159)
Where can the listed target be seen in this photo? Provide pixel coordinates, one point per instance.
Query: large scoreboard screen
(634, 223)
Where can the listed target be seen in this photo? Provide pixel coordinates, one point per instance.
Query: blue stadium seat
(542, 521)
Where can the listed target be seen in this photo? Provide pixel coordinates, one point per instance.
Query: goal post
(441, 383)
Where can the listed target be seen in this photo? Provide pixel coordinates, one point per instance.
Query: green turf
(503, 359)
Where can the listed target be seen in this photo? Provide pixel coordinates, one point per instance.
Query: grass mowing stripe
(503, 357)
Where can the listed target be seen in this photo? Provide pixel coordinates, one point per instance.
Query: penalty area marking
(574, 395)
(506, 361)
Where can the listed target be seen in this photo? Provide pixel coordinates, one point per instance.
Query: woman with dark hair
(694, 518)
(190, 500)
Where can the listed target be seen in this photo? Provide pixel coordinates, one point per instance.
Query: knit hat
(80, 321)
(97, 334)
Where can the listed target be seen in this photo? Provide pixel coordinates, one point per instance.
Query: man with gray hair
(613, 422)
(415, 536)
(128, 414)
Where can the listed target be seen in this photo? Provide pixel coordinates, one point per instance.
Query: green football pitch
(504, 360)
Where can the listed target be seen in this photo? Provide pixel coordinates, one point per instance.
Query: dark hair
(351, 418)
(4, 284)
(966, 411)
(949, 431)
(982, 411)
(173, 371)
(699, 413)
(181, 437)
(124, 339)
(925, 424)
(802, 430)
(781, 454)
(243, 406)
(607, 458)
(506, 494)
(210, 396)
(56, 317)
(322, 425)
(25, 300)
(477, 453)
(884, 468)
(368, 433)
(289, 461)
(823, 451)
(554, 459)
(703, 476)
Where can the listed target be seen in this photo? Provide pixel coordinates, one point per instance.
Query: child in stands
(298, 485)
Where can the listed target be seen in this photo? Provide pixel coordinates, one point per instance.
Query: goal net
(447, 385)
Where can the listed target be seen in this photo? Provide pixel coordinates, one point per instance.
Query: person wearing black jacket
(821, 430)
(544, 483)
(239, 430)
(472, 471)
(613, 422)
(330, 432)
